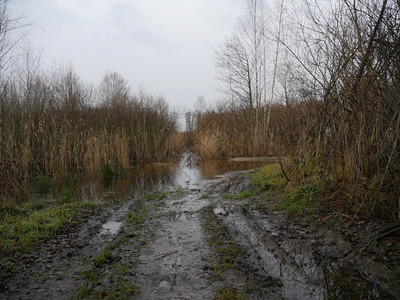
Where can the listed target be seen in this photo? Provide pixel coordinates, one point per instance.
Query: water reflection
(155, 177)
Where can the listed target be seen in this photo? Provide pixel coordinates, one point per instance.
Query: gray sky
(165, 46)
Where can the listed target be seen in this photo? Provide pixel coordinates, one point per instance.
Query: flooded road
(153, 177)
(186, 241)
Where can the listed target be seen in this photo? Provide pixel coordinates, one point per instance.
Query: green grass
(228, 255)
(137, 218)
(41, 184)
(226, 248)
(228, 293)
(122, 269)
(292, 199)
(109, 275)
(105, 257)
(139, 215)
(301, 199)
(24, 226)
(157, 196)
(397, 271)
(269, 176)
(177, 203)
(242, 195)
(120, 289)
(107, 172)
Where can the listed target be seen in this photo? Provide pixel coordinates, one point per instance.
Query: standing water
(156, 177)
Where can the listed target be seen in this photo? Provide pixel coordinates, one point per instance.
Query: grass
(103, 258)
(292, 199)
(228, 293)
(269, 177)
(157, 196)
(241, 195)
(139, 215)
(137, 218)
(397, 271)
(177, 203)
(24, 226)
(122, 269)
(41, 184)
(226, 248)
(120, 288)
(301, 199)
(228, 255)
(111, 274)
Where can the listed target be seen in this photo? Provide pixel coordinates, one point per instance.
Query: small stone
(164, 284)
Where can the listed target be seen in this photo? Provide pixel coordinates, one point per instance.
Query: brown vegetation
(53, 126)
(339, 81)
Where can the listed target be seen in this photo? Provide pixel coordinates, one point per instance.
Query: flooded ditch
(156, 247)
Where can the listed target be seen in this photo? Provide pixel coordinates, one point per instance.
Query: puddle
(349, 284)
(110, 227)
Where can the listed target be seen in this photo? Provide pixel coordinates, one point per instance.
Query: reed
(61, 127)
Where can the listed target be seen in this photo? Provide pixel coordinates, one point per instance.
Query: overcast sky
(165, 46)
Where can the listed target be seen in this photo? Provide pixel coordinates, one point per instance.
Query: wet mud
(173, 265)
(158, 248)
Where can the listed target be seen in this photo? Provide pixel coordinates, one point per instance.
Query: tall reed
(59, 126)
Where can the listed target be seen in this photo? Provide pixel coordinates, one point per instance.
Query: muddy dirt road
(190, 243)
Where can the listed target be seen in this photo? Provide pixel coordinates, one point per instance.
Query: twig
(165, 255)
(380, 233)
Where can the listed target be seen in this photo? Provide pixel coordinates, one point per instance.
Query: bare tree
(240, 61)
(275, 64)
(114, 90)
(10, 34)
(349, 53)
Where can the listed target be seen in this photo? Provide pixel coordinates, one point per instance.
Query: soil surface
(162, 247)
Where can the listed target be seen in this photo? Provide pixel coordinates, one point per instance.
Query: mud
(173, 265)
(158, 249)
